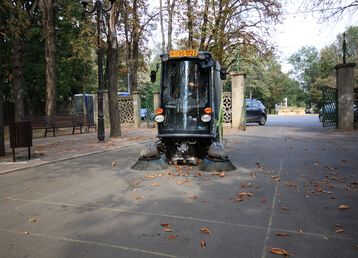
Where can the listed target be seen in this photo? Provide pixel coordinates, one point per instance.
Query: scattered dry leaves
(279, 251)
(202, 244)
(205, 230)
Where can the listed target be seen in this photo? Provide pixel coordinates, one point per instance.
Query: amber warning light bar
(183, 53)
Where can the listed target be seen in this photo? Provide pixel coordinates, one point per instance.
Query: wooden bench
(85, 122)
(55, 122)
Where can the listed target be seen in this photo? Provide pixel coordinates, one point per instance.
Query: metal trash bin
(21, 137)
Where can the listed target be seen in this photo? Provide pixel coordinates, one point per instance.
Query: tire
(262, 120)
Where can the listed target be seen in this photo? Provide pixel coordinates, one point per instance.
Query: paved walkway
(295, 189)
(66, 146)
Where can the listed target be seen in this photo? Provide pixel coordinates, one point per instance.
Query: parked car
(255, 112)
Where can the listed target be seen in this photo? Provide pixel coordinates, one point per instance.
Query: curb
(9, 171)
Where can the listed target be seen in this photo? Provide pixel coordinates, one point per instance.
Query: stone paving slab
(96, 206)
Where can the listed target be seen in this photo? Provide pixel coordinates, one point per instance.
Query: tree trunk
(190, 24)
(135, 47)
(48, 15)
(162, 25)
(18, 77)
(112, 74)
(128, 45)
(170, 8)
(204, 26)
(2, 138)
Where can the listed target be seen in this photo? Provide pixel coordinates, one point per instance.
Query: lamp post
(99, 10)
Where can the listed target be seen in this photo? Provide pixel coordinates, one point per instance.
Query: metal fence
(329, 111)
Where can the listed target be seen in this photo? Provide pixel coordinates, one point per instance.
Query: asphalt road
(292, 174)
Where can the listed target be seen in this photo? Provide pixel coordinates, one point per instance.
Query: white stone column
(136, 109)
(345, 86)
(107, 122)
(238, 101)
(156, 100)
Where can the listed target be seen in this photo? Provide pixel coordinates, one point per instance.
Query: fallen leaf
(155, 184)
(279, 251)
(276, 178)
(343, 207)
(33, 220)
(205, 230)
(258, 165)
(340, 230)
(282, 234)
(114, 163)
(150, 176)
(244, 194)
(202, 244)
(172, 237)
(198, 174)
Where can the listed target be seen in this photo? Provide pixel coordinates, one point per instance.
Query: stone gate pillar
(345, 86)
(238, 101)
(156, 100)
(136, 109)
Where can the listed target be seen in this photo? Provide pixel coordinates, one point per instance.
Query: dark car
(255, 112)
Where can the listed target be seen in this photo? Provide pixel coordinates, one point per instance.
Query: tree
(48, 23)
(332, 9)
(18, 16)
(223, 26)
(112, 70)
(307, 69)
(136, 18)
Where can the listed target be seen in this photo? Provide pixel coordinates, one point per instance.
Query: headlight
(206, 118)
(159, 118)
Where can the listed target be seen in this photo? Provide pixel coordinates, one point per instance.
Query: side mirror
(223, 73)
(153, 76)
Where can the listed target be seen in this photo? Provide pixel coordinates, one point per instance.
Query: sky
(300, 29)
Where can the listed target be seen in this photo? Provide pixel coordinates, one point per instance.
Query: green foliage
(266, 81)
(315, 70)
